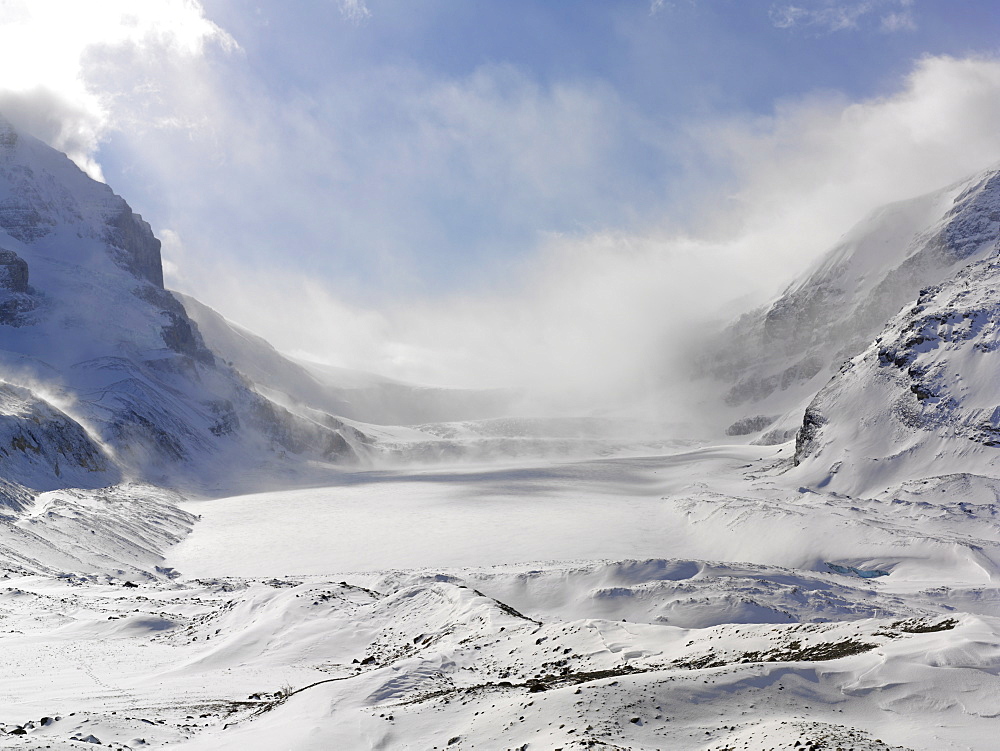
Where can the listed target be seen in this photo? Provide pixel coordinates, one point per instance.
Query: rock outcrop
(43, 448)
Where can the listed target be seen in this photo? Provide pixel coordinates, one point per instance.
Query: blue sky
(442, 190)
(600, 95)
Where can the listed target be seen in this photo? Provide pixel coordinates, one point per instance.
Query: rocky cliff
(921, 400)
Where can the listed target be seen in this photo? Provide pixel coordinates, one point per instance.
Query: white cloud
(255, 190)
(900, 21)
(837, 15)
(354, 10)
(827, 160)
(47, 48)
(397, 176)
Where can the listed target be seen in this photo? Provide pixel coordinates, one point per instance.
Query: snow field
(644, 652)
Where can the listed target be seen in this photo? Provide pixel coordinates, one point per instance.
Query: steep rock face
(16, 299)
(137, 249)
(774, 358)
(921, 400)
(13, 272)
(43, 192)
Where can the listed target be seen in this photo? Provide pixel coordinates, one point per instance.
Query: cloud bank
(595, 318)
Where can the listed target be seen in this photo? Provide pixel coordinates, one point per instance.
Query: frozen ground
(702, 601)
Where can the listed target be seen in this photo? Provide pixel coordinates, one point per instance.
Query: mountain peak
(42, 192)
(778, 356)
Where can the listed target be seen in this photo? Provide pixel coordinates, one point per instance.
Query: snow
(657, 649)
(773, 360)
(458, 577)
(920, 397)
(456, 517)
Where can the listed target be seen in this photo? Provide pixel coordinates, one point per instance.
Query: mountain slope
(772, 360)
(355, 395)
(921, 400)
(84, 320)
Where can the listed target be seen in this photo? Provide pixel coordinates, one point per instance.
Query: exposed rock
(16, 296)
(748, 425)
(14, 309)
(14, 496)
(42, 448)
(137, 249)
(179, 335)
(775, 437)
(297, 435)
(805, 439)
(22, 220)
(13, 272)
(773, 355)
(921, 392)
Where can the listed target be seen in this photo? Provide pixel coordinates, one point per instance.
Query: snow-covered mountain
(104, 373)
(774, 359)
(923, 396)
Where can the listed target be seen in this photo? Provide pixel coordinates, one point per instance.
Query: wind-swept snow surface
(458, 517)
(861, 623)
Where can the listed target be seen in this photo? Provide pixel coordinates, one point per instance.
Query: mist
(597, 319)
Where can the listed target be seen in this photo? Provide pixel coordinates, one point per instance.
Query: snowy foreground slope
(369, 590)
(850, 623)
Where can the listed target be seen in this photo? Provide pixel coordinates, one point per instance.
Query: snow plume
(592, 318)
(53, 51)
(805, 174)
